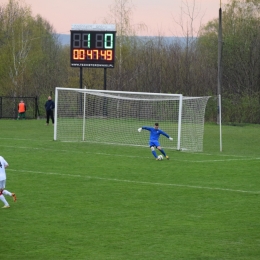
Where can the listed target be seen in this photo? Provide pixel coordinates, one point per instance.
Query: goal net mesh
(114, 117)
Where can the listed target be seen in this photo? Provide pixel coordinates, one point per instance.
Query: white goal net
(113, 117)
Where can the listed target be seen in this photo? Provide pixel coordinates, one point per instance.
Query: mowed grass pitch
(89, 201)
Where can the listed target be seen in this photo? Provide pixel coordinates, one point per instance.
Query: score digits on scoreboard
(92, 46)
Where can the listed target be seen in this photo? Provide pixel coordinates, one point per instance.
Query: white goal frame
(179, 140)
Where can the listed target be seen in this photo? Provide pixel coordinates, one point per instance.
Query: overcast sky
(159, 16)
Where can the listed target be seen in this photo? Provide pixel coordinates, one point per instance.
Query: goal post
(113, 117)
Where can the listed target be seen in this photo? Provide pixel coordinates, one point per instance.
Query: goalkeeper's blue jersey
(155, 133)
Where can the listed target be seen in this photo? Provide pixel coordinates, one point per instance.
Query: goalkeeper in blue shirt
(155, 133)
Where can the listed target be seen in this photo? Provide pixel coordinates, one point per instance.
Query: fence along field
(94, 201)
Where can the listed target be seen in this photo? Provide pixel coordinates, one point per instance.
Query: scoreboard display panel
(92, 46)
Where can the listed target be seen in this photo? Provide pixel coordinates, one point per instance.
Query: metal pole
(105, 88)
(80, 86)
(105, 78)
(219, 74)
(80, 77)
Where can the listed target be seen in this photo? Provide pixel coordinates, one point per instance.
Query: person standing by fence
(49, 106)
(21, 110)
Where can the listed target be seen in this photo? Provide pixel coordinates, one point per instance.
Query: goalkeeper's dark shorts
(154, 143)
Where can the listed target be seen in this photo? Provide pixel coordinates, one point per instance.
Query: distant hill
(64, 39)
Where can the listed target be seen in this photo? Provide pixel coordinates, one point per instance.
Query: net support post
(55, 114)
(179, 124)
(84, 117)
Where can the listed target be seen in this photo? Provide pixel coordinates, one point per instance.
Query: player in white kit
(3, 165)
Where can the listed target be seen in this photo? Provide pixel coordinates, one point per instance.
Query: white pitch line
(132, 156)
(139, 182)
(225, 160)
(141, 146)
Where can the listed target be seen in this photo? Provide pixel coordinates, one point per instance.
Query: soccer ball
(160, 157)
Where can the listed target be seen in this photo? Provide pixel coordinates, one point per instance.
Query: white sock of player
(2, 198)
(6, 192)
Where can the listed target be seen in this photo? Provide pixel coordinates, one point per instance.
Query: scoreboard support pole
(80, 77)
(105, 78)
(105, 99)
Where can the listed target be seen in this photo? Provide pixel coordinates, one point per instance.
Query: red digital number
(95, 54)
(103, 55)
(109, 54)
(78, 54)
(82, 54)
(89, 55)
(106, 54)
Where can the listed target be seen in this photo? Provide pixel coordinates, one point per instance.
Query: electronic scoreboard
(92, 45)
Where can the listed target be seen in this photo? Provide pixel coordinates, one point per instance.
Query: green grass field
(95, 202)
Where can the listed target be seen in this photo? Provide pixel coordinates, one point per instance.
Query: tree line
(33, 61)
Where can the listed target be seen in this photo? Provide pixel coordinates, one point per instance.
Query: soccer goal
(113, 117)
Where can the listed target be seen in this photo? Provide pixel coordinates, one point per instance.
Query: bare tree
(17, 43)
(121, 15)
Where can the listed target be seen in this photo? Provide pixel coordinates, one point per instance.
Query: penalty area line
(140, 182)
